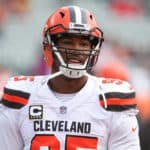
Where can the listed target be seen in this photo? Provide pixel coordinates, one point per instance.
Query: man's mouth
(74, 61)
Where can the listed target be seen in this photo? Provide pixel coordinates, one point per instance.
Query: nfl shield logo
(63, 110)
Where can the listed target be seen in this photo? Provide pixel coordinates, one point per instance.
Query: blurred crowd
(117, 59)
(9, 8)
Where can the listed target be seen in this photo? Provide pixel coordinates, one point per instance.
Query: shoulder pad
(17, 91)
(119, 95)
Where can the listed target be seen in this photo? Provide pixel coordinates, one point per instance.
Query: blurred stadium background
(125, 54)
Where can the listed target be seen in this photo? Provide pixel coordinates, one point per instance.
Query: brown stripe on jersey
(118, 95)
(120, 108)
(14, 98)
(11, 104)
(16, 93)
(119, 101)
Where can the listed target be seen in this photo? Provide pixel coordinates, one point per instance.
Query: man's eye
(67, 42)
(85, 44)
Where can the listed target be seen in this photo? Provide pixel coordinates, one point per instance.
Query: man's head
(73, 38)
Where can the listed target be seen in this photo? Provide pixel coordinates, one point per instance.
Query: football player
(69, 109)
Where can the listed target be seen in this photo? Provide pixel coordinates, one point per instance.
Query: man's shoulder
(18, 89)
(115, 85)
(116, 95)
(112, 84)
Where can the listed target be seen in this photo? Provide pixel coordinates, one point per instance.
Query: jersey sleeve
(17, 91)
(124, 131)
(117, 94)
(9, 134)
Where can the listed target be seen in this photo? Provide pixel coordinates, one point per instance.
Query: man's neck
(62, 84)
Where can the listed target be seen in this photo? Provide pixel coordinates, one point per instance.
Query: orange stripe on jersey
(118, 101)
(15, 99)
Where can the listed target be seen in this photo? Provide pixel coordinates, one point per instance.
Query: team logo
(36, 112)
(63, 110)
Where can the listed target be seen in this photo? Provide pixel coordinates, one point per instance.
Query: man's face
(74, 49)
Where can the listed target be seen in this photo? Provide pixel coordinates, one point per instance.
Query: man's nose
(76, 48)
(77, 45)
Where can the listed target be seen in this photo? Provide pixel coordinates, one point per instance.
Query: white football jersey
(32, 118)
